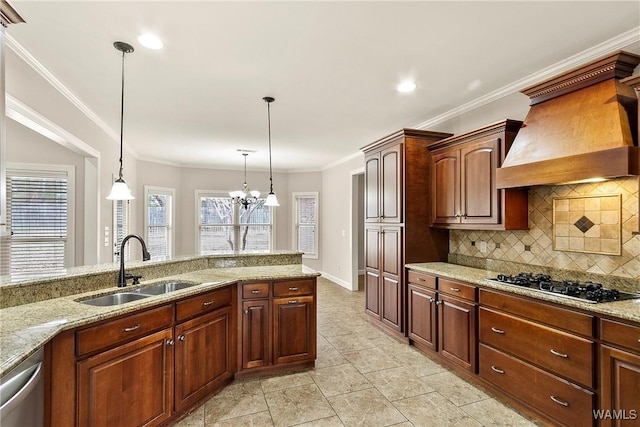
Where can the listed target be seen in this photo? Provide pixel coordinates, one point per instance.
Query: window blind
(306, 223)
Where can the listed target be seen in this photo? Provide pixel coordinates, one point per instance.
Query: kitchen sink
(114, 299)
(163, 288)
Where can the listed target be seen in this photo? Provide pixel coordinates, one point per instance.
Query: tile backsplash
(536, 245)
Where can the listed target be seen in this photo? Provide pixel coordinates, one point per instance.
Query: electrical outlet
(483, 246)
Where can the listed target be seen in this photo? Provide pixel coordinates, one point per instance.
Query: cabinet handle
(455, 289)
(246, 312)
(181, 337)
(255, 291)
(558, 401)
(132, 328)
(500, 371)
(439, 303)
(457, 215)
(293, 301)
(170, 342)
(557, 353)
(497, 331)
(464, 215)
(431, 299)
(204, 304)
(420, 279)
(293, 288)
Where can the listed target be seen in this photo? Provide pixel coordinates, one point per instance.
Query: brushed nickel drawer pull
(455, 289)
(181, 337)
(500, 371)
(558, 401)
(255, 291)
(431, 299)
(557, 353)
(207, 303)
(497, 331)
(420, 279)
(293, 301)
(170, 342)
(293, 288)
(132, 328)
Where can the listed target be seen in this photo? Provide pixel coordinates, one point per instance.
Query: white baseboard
(337, 280)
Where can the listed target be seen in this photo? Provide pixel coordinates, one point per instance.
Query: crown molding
(607, 47)
(50, 78)
(8, 14)
(343, 160)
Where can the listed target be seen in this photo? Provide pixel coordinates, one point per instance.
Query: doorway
(357, 229)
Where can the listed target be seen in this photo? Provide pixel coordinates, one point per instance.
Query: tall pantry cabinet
(397, 206)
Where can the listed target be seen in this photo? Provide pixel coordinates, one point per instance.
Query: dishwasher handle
(19, 388)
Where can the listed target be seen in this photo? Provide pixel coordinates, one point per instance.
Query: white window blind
(38, 220)
(121, 223)
(158, 221)
(306, 223)
(224, 226)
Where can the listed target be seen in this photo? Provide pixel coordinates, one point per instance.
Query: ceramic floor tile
(350, 343)
(297, 405)
(237, 399)
(324, 422)
(454, 388)
(194, 419)
(285, 381)
(365, 408)
(490, 412)
(260, 419)
(339, 379)
(417, 363)
(329, 357)
(397, 383)
(373, 359)
(434, 410)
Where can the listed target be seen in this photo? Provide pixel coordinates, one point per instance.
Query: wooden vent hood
(582, 126)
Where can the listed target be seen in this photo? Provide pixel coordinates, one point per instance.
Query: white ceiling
(332, 67)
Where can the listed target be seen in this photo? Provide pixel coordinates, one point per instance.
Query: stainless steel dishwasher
(22, 394)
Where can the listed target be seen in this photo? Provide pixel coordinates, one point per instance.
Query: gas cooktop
(590, 292)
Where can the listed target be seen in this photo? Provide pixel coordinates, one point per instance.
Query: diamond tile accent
(584, 224)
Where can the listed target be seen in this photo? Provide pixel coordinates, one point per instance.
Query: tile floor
(362, 378)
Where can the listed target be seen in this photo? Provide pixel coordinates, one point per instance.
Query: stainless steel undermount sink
(163, 288)
(114, 299)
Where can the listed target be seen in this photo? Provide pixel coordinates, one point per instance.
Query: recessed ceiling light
(151, 41)
(406, 87)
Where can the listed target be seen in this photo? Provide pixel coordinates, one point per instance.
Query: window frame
(294, 222)
(236, 224)
(166, 191)
(35, 169)
(126, 210)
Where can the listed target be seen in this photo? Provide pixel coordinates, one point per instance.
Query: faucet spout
(122, 279)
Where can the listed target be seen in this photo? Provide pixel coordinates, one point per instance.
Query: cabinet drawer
(457, 289)
(293, 288)
(569, 320)
(119, 331)
(566, 355)
(555, 397)
(620, 334)
(255, 290)
(203, 303)
(422, 279)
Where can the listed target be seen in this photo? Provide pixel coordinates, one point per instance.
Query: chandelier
(244, 197)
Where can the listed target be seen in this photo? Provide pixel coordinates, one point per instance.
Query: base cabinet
(457, 331)
(255, 334)
(293, 321)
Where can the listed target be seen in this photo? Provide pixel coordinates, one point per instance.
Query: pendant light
(244, 197)
(272, 200)
(120, 190)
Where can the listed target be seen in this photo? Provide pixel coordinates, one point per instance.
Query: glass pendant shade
(120, 191)
(272, 200)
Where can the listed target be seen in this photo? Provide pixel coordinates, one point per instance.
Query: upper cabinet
(463, 181)
(383, 184)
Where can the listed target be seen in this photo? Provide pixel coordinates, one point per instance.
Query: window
(121, 220)
(305, 214)
(40, 220)
(159, 213)
(224, 226)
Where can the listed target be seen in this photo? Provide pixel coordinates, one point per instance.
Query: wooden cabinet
(397, 204)
(619, 373)
(443, 321)
(549, 347)
(463, 181)
(278, 325)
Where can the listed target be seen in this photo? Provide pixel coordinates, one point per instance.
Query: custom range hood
(582, 126)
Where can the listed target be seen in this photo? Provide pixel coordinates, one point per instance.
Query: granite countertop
(25, 328)
(627, 310)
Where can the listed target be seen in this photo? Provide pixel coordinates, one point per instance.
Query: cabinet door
(391, 283)
(203, 356)
(372, 271)
(391, 185)
(372, 188)
(422, 316)
(620, 388)
(479, 197)
(445, 187)
(294, 329)
(457, 331)
(130, 385)
(255, 333)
